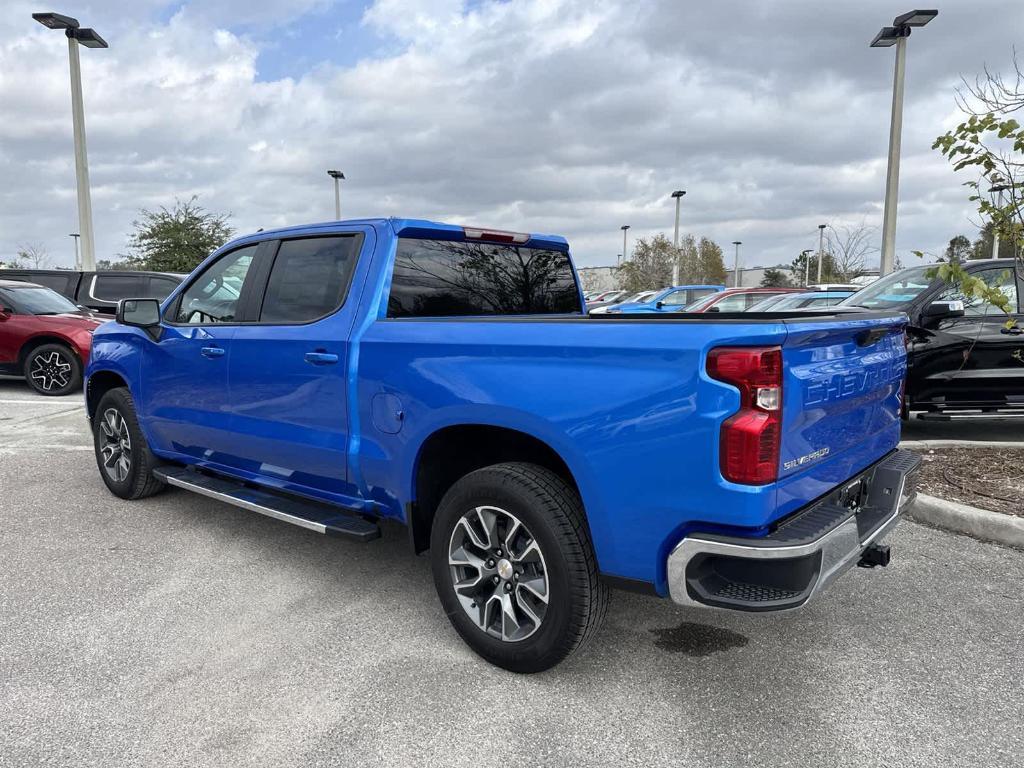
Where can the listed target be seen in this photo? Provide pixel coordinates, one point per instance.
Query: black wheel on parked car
(122, 455)
(53, 369)
(514, 566)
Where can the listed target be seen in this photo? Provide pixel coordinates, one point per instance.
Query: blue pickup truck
(448, 378)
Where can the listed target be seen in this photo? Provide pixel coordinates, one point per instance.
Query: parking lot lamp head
(55, 20)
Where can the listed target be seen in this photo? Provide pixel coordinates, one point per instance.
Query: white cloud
(567, 116)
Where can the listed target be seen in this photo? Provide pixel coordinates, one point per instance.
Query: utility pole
(807, 265)
(625, 253)
(736, 265)
(821, 247)
(337, 176)
(75, 236)
(678, 195)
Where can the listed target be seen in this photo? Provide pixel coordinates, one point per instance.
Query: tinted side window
(60, 283)
(309, 279)
(160, 288)
(117, 287)
(445, 278)
(999, 276)
(213, 296)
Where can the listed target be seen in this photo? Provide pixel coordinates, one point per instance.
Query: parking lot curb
(971, 521)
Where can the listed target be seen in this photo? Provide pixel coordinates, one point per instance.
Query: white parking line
(36, 402)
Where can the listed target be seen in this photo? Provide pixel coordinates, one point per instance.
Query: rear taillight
(749, 449)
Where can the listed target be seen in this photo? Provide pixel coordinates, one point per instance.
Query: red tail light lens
(749, 449)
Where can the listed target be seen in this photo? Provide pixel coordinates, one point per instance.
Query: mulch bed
(984, 477)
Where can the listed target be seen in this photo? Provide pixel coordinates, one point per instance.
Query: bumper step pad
(803, 553)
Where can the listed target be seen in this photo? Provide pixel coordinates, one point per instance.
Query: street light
(896, 35)
(337, 176)
(678, 195)
(75, 235)
(807, 265)
(624, 227)
(1000, 188)
(90, 39)
(736, 264)
(821, 247)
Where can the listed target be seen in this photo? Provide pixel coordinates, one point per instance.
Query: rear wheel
(122, 455)
(514, 567)
(53, 369)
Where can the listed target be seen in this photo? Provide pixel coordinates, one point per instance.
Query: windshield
(764, 304)
(40, 301)
(700, 303)
(893, 291)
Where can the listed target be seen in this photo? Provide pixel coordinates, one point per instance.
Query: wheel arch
(34, 342)
(453, 451)
(97, 385)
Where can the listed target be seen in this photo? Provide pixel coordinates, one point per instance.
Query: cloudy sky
(565, 116)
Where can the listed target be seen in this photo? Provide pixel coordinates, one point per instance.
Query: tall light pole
(1000, 188)
(678, 195)
(736, 264)
(821, 247)
(337, 176)
(90, 39)
(896, 35)
(75, 235)
(807, 265)
(624, 227)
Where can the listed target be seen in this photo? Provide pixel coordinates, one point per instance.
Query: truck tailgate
(841, 402)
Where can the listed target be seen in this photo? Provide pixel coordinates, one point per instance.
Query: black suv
(100, 291)
(961, 355)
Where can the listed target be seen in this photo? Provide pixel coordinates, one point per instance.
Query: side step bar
(322, 518)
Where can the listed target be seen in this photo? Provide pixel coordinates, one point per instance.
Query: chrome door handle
(212, 352)
(321, 358)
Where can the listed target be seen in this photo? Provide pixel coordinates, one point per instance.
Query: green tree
(176, 240)
(959, 249)
(982, 248)
(990, 143)
(689, 260)
(650, 266)
(775, 278)
(830, 272)
(710, 266)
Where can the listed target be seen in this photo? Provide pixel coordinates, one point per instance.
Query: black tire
(138, 480)
(53, 369)
(553, 514)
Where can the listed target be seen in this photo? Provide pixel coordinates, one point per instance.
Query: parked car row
(100, 291)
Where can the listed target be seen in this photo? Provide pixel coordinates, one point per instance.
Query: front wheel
(53, 369)
(122, 455)
(514, 566)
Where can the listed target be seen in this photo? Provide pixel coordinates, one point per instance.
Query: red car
(43, 337)
(736, 299)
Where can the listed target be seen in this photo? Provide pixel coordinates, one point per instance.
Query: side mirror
(5, 312)
(943, 309)
(660, 304)
(713, 309)
(141, 313)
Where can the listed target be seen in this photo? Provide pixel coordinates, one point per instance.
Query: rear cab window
(450, 278)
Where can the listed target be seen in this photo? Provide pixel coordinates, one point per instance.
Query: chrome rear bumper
(803, 555)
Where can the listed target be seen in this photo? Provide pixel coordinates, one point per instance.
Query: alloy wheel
(51, 371)
(115, 445)
(498, 573)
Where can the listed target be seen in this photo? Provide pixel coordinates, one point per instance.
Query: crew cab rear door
(289, 399)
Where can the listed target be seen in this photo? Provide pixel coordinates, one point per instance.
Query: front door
(974, 359)
(288, 369)
(184, 372)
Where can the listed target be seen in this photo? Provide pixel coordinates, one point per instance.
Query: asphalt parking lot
(179, 631)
